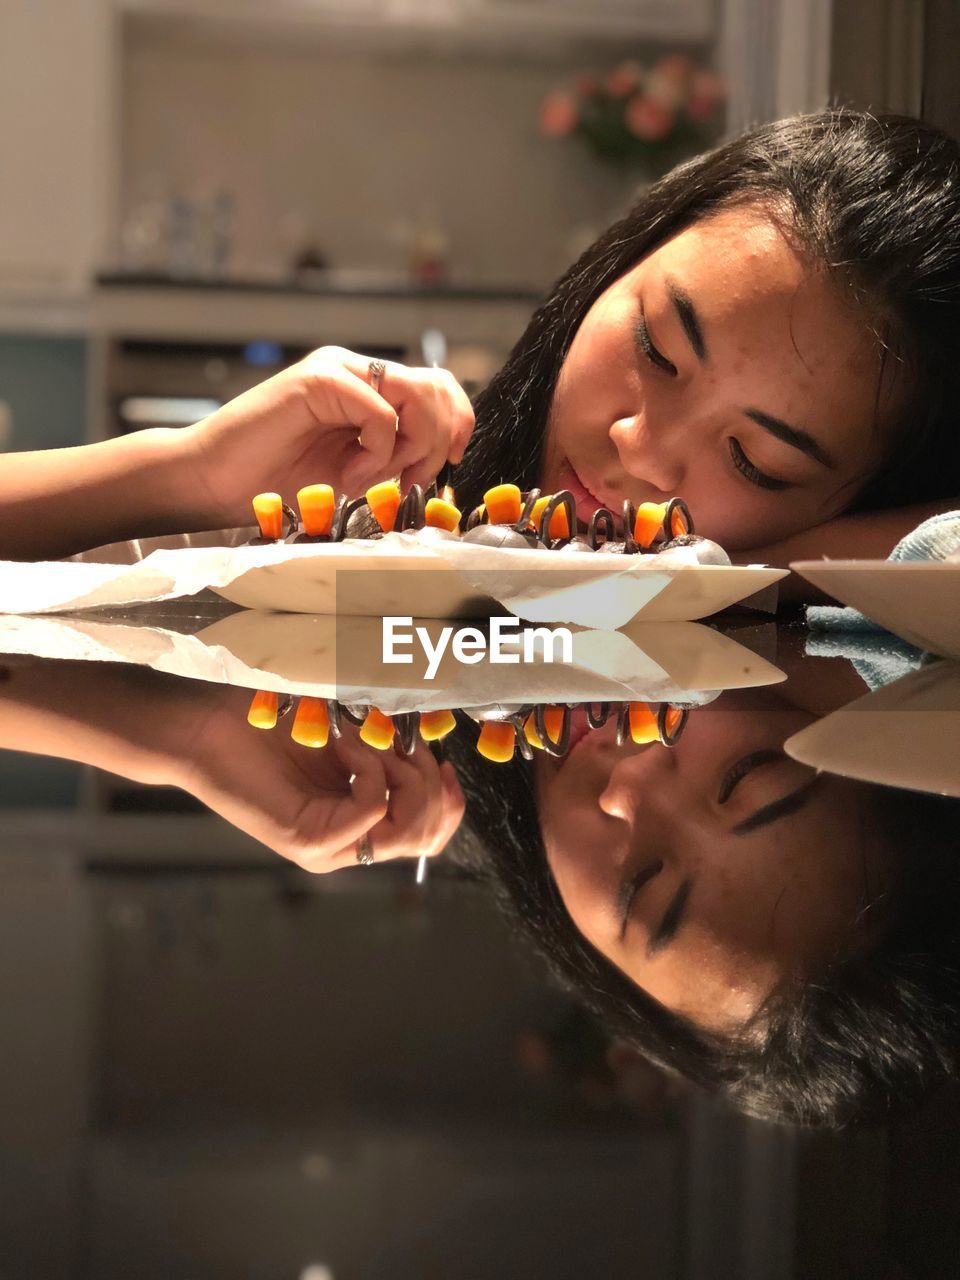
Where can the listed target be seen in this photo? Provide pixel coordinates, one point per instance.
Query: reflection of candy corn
(263, 710)
(435, 725)
(559, 525)
(672, 719)
(440, 514)
(497, 741)
(502, 503)
(552, 723)
(384, 501)
(671, 724)
(268, 508)
(311, 724)
(316, 502)
(643, 723)
(377, 730)
(649, 522)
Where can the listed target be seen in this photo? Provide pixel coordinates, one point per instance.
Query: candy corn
(649, 521)
(559, 525)
(377, 730)
(502, 503)
(268, 508)
(384, 501)
(316, 502)
(440, 514)
(497, 741)
(435, 725)
(643, 723)
(311, 724)
(263, 710)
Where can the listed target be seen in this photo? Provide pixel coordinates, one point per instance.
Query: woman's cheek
(726, 513)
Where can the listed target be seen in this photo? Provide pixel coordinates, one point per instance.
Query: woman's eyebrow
(672, 919)
(689, 320)
(781, 808)
(801, 440)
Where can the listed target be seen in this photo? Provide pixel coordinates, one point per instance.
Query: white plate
(397, 574)
(341, 658)
(906, 734)
(918, 600)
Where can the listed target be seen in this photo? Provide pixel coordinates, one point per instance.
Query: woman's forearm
(60, 501)
(129, 721)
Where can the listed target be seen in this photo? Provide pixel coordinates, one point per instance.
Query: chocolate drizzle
(605, 530)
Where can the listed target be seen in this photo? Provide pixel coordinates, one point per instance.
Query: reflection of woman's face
(709, 871)
(723, 369)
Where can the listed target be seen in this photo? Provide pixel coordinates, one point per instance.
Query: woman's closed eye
(772, 768)
(744, 465)
(647, 348)
(752, 472)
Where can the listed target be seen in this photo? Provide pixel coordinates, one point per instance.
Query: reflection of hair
(871, 1033)
(874, 199)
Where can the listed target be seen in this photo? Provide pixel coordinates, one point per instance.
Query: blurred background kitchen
(214, 1065)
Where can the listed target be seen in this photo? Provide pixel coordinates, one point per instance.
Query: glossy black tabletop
(648, 969)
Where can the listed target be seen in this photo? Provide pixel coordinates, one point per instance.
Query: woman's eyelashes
(744, 766)
(743, 464)
(645, 344)
(753, 473)
(631, 887)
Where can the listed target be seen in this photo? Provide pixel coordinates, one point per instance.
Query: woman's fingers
(417, 420)
(328, 822)
(425, 809)
(339, 398)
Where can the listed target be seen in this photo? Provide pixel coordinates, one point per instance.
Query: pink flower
(648, 120)
(586, 84)
(664, 89)
(624, 80)
(558, 115)
(677, 67)
(700, 108)
(707, 85)
(707, 91)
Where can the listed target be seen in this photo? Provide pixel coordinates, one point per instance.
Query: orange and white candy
(316, 503)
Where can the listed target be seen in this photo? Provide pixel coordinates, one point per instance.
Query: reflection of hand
(158, 729)
(322, 421)
(301, 803)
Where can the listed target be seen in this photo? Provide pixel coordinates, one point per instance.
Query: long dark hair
(869, 1033)
(873, 200)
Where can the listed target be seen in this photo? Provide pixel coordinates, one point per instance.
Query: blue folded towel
(846, 633)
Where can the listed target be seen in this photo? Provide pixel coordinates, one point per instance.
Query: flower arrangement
(637, 116)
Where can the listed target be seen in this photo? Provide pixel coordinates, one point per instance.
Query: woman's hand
(321, 421)
(314, 806)
(310, 805)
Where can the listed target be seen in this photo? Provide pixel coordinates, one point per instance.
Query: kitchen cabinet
(501, 25)
(56, 91)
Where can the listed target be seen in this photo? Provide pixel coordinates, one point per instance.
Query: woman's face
(709, 871)
(724, 370)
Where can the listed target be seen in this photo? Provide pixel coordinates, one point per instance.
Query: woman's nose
(634, 780)
(650, 452)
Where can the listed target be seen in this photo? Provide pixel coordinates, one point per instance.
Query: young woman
(770, 333)
(787, 938)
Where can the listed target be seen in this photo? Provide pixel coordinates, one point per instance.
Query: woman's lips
(586, 500)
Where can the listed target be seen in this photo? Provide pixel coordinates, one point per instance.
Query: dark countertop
(318, 286)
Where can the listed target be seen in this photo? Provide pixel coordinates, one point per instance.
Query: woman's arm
(60, 501)
(871, 535)
(320, 420)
